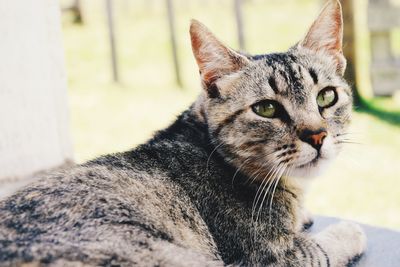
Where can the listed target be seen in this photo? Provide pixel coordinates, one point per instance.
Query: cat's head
(276, 113)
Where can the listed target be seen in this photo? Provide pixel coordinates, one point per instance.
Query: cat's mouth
(312, 162)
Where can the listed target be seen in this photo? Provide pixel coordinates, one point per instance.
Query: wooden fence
(382, 17)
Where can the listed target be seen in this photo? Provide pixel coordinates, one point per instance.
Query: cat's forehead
(287, 74)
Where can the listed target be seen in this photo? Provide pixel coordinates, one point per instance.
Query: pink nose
(317, 139)
(314, 138)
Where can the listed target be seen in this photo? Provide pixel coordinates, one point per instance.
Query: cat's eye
(327, 97)
(266, 108)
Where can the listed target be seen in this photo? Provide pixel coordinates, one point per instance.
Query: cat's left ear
(326, 34)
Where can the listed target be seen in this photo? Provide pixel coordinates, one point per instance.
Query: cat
(223, 185)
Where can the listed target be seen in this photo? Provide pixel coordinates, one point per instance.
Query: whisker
(266, 181)
(275, 174)
(270, 183)
(266, 194)
(253, 177)
(272, 164)
(238, 169)
(264, 165)
(212, 152)
(349, 133)
(262, 187)
(348, 142)
(245, 161)
(273, 192)
(258, 172)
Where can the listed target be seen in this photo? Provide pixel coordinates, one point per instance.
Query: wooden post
(171, 23)
(111, 34)
(385, 72)
(77, 10)
(34, 119)
(349, 46)
(239, 23)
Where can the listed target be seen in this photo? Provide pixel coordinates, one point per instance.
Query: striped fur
(220, 186)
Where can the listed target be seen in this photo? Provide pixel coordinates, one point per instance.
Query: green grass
(362, 184)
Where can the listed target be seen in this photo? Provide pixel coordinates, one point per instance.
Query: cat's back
(101, 213)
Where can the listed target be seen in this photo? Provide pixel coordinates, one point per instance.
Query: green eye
(265, 109)
(327, 97)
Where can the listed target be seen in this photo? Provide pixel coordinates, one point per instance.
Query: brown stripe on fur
(313, 75)
(227, 121)
(310, 253)
(328, 264)
(272, 84)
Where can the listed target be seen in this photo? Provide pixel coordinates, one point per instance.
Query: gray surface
(383, 244)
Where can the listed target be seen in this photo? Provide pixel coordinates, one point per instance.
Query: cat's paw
(353, 235)
(343, 242)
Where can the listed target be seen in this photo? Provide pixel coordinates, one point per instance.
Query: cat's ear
(213, 58)
(326, 33)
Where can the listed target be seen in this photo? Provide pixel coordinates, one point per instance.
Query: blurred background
(130, 71)
(106, 116)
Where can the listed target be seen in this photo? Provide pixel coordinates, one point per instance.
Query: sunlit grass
(362, 184)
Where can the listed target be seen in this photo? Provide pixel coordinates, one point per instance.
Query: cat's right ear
(326, 34)
(214, 59)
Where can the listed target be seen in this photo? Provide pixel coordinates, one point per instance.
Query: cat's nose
(313, 137)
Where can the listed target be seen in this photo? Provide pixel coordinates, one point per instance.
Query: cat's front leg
(339, 245)
(344, 243)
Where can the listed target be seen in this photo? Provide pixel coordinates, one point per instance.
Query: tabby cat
(223, 185)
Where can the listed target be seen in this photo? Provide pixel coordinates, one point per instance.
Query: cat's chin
(311, 169)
